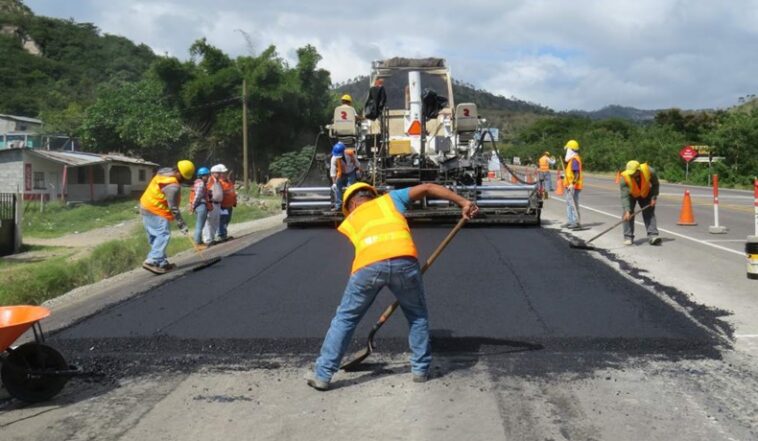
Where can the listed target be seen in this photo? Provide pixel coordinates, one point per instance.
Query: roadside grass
(33, 283)
(57, 219)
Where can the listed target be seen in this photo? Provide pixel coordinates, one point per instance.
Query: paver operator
(573, 180)
(385, 255)
(639, 185)
(159, 205)
(200, 204)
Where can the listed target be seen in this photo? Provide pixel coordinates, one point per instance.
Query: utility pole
(245, 175)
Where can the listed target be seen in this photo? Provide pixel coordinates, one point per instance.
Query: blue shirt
(402, 199)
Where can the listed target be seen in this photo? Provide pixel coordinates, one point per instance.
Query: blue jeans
(547, 181)
(341, 185)
(158, 235)
(403, 277)
(572, 210)
(201, 214)
(224, 222)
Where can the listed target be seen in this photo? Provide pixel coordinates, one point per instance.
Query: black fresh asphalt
(519, 285)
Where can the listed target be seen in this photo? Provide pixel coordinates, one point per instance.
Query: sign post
(716, 228)
(688, 154)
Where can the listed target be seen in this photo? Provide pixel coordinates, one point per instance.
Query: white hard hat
(219, 168)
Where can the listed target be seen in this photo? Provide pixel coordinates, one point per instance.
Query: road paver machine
(411, 132)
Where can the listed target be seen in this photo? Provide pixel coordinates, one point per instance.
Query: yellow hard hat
(572, 144)
(347, 98)
(186, 169)
(351, 190)
(547, 153)
(632, 166)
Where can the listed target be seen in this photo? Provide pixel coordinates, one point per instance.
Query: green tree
(134, 118)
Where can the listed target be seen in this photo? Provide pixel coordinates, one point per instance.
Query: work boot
(153, 268)
(201, 247)
(420, 378)
(317, 384)
(628, 241)
(655, 240)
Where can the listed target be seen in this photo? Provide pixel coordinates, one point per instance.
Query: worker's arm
(626, 203)
(172, 193)
(468, 208)
(333, 169)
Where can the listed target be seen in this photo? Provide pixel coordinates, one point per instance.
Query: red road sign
(688, 153)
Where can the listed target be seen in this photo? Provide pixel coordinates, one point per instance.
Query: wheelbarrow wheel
(33, 357)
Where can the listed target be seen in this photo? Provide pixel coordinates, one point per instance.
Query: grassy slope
(33, 283)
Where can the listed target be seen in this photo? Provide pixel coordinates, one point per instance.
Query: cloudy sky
(579, 54)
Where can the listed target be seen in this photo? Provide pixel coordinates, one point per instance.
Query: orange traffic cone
(686, 217)
(618, 177)
(559, 185)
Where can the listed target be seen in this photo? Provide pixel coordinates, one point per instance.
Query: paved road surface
(532, 341)
(736, 211)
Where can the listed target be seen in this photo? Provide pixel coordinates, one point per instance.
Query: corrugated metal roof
(76, 159)
(21, 118)
(115, 157)
(69, 158)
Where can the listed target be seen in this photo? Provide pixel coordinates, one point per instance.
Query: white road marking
(710, 195)
(745, 335)
(725, 240)
(673, 233)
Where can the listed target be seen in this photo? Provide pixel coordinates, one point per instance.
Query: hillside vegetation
(75, 61)
(117, 96)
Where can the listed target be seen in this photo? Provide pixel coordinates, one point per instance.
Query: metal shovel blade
(358, 358)
(580, 244)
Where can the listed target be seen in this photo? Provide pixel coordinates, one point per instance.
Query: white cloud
(580, 54)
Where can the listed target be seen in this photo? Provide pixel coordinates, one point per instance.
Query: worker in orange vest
(228, 202)
(210, 230)
(639, 185)
(385, 255)
(546, 182)
(159, 205)
(574, 182)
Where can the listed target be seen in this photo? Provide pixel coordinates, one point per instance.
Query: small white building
(72, 176)
(20, 131)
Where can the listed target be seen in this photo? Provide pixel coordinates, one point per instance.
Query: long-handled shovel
(582, 245)
(359, 356)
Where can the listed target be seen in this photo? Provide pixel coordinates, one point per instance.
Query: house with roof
(72, 176)
(20, 131)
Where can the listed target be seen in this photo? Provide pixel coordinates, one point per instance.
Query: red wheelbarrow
(33, 371)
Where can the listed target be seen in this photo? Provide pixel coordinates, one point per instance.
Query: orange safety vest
(378, 232)
(544, 164)
(154, 200)
(208, 203)
(340, 166)
(569, 178)
(641, 190)
(230, 196)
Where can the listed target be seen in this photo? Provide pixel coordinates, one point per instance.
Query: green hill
(50, 64)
